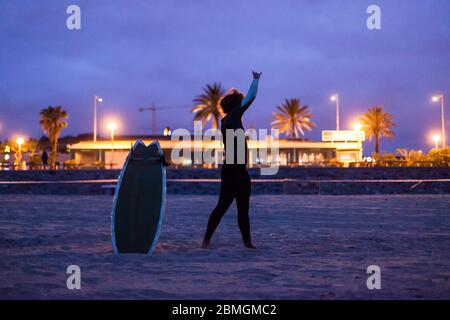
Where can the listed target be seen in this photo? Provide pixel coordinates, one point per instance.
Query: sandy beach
(309, 247)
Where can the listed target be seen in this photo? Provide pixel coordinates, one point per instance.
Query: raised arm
(252, 91)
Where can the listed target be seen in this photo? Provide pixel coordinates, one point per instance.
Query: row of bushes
(438, 157)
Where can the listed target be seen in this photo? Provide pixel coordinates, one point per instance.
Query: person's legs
(242, 201)
(226, 197)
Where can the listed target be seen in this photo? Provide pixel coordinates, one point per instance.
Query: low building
(337, 147)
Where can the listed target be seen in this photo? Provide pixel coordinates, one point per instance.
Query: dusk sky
(133, 53)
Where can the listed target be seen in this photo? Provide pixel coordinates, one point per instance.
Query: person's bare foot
(205, 244)
(249, 245)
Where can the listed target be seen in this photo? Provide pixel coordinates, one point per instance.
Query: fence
(259, 186)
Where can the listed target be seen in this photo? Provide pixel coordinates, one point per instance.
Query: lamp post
(335, 98)
(96, 99)
(436, 139)
(19, 142)
(436, 99)
(112, 127)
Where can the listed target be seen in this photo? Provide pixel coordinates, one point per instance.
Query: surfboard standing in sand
(139, 200)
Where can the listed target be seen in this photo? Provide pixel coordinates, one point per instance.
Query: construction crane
(153, 110)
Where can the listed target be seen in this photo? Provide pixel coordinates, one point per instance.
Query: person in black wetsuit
(235, 181)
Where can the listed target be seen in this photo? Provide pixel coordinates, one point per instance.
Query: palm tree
(377, 124)
(52, 121)
(292, 118)
(208, 105)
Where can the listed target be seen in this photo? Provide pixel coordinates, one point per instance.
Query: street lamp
(19, 142)
(112, 127)
(96, 99)
(335, 98)
(436, 139)
(436, 99)
(357, 126)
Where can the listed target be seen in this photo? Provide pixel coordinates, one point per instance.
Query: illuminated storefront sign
(343, 135)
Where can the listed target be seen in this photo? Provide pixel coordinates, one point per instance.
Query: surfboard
(139, 200)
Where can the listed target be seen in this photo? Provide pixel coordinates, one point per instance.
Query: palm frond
(207, 104)
(291, 118)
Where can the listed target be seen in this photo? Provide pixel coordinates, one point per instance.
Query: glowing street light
(335, 98)
(436, 139)
(357, 126)
(96, 99)
(19, 142)
(112, 126)
(437, 99)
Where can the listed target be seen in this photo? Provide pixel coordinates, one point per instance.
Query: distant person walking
(235, 181)
(44, 158)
